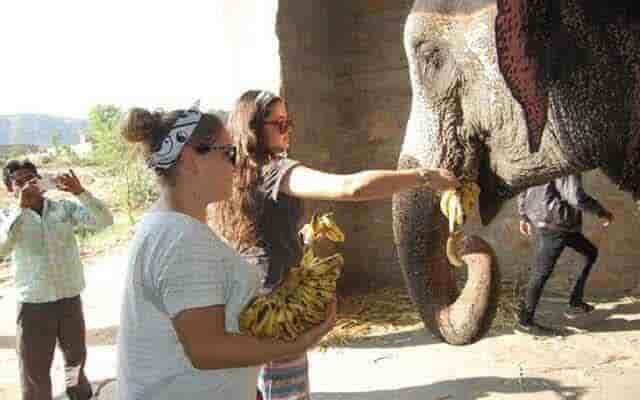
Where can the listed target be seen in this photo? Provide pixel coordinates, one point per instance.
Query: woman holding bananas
(179, 335)
(262, 217)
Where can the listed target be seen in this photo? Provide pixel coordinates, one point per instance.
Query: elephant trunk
(457, 316)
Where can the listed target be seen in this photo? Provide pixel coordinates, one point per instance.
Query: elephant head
(509, 94)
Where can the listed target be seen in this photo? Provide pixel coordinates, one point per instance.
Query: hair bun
(138, 125)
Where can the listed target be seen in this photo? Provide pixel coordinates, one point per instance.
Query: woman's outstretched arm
(307, 183)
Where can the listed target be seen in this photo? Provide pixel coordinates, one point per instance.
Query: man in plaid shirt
(38, 234)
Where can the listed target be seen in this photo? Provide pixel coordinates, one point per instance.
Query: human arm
(194, 285)
(29, 196)
(304, 182)
(525, 223)
(91, 213)
(208, 345)
(573, 192)
(10, 228)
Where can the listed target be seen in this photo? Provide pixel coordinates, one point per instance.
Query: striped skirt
(285, 380)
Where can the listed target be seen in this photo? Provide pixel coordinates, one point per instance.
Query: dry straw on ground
(390, 310)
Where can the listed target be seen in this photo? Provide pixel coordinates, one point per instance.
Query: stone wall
(346, 82)
(345, 77)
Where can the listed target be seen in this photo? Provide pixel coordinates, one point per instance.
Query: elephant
(508, 94)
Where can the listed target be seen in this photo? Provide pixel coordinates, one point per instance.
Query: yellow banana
(452, 208)
(452, 254)
(326, 286)
(465, 197)
(289, 331)
(248, 318)
(444, 201)
(326, 265)
(316, 316)
(321, 226)
(456, 204)
(270, 326)
(308, 257)
(260, 324)
(296, 307)
(330, 228)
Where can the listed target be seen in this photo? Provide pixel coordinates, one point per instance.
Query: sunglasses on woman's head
(282, 124)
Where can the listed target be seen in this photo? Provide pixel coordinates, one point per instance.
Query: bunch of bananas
(301, 300)
(456, 204)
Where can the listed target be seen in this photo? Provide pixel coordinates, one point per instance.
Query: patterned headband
(167, 155)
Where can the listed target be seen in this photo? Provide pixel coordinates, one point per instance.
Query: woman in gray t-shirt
(262, 218)
(185, 287)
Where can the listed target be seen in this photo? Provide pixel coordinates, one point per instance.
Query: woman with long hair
(185, 287)
(262, 217)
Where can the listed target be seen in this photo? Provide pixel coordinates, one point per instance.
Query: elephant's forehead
(452, 7)
(472, 34)
(429, 25)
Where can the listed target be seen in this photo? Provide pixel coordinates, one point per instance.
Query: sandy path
(599, 361)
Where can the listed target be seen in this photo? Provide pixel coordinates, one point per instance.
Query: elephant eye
(431, 54)
(436, 67)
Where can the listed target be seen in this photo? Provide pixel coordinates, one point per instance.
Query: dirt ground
(595, 358)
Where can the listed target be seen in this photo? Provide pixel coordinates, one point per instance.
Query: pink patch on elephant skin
(522, 72)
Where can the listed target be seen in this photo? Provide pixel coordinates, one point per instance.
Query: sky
(62, 57)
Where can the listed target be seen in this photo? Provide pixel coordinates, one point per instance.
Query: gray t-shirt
(278, 246)
(177, 263)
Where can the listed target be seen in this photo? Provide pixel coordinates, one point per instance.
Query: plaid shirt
(45, 258)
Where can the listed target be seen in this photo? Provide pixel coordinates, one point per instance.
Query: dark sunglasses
(229, 150)
(282, 124)
(23, 180)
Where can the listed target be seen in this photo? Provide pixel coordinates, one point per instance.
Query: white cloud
(62, 57)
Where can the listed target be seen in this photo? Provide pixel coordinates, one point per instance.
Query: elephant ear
(522, 45)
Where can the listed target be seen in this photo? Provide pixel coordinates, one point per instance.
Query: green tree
(133, 182)
(108, 146)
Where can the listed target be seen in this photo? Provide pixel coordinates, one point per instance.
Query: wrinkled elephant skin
(508, 94)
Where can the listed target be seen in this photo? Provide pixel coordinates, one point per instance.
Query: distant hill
(222, 114)
(39, 129)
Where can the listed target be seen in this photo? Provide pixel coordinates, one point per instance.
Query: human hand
(606, 219)
(69, 183)
(440, 179)
(525, 227)
(313, 336)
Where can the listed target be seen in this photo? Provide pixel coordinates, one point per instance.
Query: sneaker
(534, 329)
(577, 309)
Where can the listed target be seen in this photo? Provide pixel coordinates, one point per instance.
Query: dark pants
(40, 325)
(549, 246)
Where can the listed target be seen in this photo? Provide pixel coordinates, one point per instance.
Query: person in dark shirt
(553, 214)
(262, 218)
